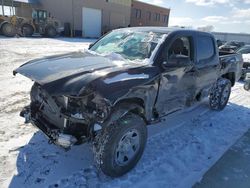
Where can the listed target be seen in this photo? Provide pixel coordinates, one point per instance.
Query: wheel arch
(230, 76)
(134, 104)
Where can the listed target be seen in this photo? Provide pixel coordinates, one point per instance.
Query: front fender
(145, 96)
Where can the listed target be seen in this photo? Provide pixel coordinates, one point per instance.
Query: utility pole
(73, 20)
(3, 7)
(12, 6)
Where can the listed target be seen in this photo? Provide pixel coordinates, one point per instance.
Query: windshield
(130, 45)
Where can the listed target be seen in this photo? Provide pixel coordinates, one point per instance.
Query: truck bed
(231, 63)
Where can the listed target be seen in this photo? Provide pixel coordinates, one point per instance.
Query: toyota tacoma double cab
(128, 79)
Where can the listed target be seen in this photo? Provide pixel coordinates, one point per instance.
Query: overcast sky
(224, 15)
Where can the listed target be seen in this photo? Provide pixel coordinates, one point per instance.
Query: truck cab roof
(166, 30)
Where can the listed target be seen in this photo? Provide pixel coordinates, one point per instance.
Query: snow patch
(246, 58)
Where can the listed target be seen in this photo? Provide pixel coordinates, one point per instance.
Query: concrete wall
(59, 9)
(146, 10)
(114, 14)
(25, 10)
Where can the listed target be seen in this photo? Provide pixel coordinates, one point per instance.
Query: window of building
(138, 13)
(121, 2)
(165, 19)
(8, 10)
(205, 47)
(157, 17)
(148, 15)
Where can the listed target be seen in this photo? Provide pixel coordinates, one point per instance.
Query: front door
(177, 85)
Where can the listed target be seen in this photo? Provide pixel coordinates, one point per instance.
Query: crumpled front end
(65, 120)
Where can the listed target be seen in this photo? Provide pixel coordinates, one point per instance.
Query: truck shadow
(40, 164)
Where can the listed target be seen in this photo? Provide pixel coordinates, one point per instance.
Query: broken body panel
(75, 92)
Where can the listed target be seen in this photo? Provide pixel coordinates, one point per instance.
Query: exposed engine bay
(65, 120)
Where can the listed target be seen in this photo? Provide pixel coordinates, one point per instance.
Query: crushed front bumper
(33, 116)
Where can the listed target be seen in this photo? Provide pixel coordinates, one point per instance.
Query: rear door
(207, 62)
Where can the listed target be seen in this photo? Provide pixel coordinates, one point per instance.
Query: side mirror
(176, 61)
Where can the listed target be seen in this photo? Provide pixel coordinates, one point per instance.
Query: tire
(27, 30)
(8, 30)
(51, 32)
(120, 145)
(247, 86)
(220, 94)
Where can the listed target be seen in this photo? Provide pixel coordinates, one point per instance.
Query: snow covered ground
(179, 150)
(246, 57)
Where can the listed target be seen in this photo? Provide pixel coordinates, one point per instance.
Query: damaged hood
(54, 68)
(69, 73)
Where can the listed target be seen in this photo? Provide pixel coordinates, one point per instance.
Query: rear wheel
(8, 30)
(247, 86)
(120, 145)
(50, 32)
(27, 30)
(220, 94)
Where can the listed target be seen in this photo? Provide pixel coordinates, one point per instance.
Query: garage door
(91, 22)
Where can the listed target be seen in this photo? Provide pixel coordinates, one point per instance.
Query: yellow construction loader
(39, 23)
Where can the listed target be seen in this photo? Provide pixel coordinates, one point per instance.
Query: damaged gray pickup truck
(128, 79)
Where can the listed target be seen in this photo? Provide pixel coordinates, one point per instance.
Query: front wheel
(247, 86)
(51, 32)
(8, 30)
(121, 145)
(220, 94)
(27, 30)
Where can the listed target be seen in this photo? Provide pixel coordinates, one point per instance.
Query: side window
(205, 47)
(181, 46)
(34, 14)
